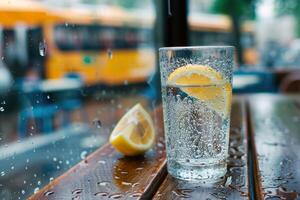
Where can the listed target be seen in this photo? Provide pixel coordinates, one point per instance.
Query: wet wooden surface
(275, 131)
(266, 166)
(234, 185)
(106, 174)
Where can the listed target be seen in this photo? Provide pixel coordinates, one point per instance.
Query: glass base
(198, 173)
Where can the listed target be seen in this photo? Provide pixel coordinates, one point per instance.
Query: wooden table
(263, 163)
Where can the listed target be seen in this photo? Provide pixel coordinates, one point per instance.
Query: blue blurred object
(71, 100)
(246, 81)
(37, 106)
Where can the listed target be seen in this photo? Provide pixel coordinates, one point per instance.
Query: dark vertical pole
(176, 22)
(171, 29)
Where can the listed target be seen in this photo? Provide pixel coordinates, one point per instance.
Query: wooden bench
(263, 161)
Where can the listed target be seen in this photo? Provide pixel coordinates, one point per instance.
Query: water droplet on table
(48, 193)
(115, 196)
(83, 154)
(77, 191)
(136, 195)
(126, 183)
(102, 194)
(103, 183)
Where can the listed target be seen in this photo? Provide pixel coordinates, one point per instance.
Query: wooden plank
(106, 174)
(234, 185)
(275, 133)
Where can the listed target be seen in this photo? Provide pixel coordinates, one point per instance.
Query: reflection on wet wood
(234, 185)
(109, 175)
(275, 130)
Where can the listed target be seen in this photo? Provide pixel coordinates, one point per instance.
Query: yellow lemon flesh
(134, 134)
(205, 84)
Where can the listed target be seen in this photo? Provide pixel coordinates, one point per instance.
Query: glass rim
(176, 48)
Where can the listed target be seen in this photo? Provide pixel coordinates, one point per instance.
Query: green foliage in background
(289, 7)
(239, 8)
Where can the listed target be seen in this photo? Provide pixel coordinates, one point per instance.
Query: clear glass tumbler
(196, 93)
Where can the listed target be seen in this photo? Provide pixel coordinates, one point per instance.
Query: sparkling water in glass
(197, 116)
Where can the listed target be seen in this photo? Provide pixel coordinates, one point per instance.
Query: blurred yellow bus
(108, 46)
(211, 29)
(103, 46)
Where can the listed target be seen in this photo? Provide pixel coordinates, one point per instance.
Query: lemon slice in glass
(205, 84)
(134, 134)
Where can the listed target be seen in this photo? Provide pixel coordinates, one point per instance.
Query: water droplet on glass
(1, 109)
(12, 168)
(67, 162)
(83, 155)
(36, 190)
(43, 48)
(101, 194)
(3, 173)
(54, 159)
(48, 193)
(126, 82)
(97, 123)
(48, 97)
(228, 181)
(23, 191)
(66, 24)
(39, 182)
(51, 179)
(109, 53)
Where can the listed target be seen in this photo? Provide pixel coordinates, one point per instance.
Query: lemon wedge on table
(134, 134)
(205, 84)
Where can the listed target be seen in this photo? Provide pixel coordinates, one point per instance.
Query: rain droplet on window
(36, 190)
(126, 82)
(48, 97)
(97, 123)
(83, 154)
(23, 191)
(109, 53)
(3, 173)
(66, 24)
(54, 159)
(169, 8)
(43, 48)
(1, 109)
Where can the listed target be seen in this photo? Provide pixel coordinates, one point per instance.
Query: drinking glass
(196, 94)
